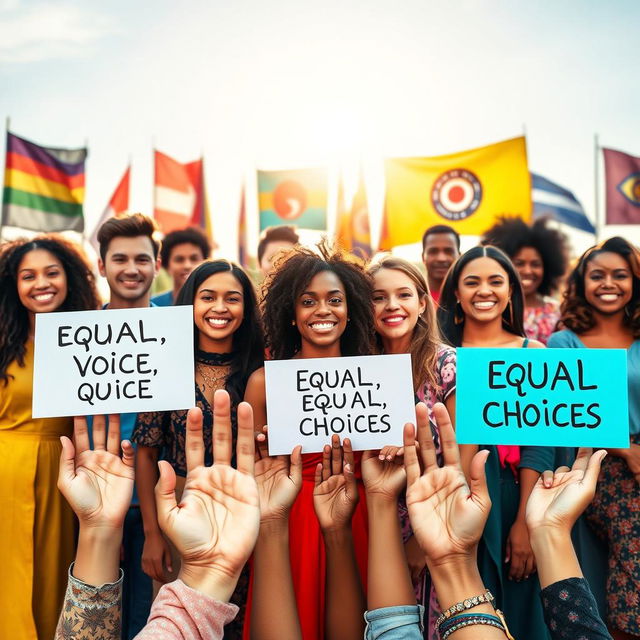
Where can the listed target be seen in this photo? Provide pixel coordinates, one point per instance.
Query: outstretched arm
(335, 498)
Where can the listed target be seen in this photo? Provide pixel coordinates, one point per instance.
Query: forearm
(457, 580)
(272, 575)
(146, 478)
(98, 556)
(388, 574)
(555, 556)
(344, 598)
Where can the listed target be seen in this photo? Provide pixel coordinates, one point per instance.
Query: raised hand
(97, 482)
(383, 473)
(335, 495)
(558, 499)
(215, 526)
(279, 480)
(447, 515)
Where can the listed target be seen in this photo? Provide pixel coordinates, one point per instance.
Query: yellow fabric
(43, 187)
(37, 527)
(501, 169)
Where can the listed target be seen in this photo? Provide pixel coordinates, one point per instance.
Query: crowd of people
(217, 539)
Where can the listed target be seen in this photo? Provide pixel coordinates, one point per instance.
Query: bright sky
(293, 83)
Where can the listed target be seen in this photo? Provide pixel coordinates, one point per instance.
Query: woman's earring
(511, 313)
(458, 318)
(293, 323)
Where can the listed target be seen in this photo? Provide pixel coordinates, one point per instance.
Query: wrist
(105, 537)
(338, 536)
(381, 502)
(98, 555)
(274, 527)
(212, 581)
(543, 538)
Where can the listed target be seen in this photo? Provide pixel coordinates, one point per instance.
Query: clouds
(35, 32)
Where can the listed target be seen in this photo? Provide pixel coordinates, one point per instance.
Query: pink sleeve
(182, 613)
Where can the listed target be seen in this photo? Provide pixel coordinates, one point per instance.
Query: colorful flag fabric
(622, 178)
(550, 199)
(243, 255)
(180, 197)
(43, 186)
(119, 203)
(352, 228)
(468, 191)
(297, 197)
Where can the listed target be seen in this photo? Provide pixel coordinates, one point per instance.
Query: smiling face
(483, 290)
(608, 283)
(41, 281)
(218, 311)
(129, 267)
(183, 259)
(529, 265)
(321, 311)
(439, 253)
(396, 303)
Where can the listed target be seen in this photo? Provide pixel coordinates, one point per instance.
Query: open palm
(97, 483)
(216, 523)
(385, 478)
(558, 499)
(447, 515)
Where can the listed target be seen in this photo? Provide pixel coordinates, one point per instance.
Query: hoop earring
(458, 319)
(293, 323)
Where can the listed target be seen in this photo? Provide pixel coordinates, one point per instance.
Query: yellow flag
(468, 191)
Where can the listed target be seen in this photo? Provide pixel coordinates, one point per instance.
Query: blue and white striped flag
(551, 199)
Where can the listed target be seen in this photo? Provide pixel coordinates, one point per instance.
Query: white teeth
(43, 297)
(394, 320)
(322, 325)
(484, 305)
(608, 297)
(218, 322)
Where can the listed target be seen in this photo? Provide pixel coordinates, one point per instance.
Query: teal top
(569, 340)
(163, 299)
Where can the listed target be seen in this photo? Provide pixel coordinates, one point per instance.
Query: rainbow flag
(43, 187)
(297, 197)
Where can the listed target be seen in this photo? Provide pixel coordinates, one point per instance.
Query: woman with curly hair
(405, 321)
(601, 310)
(539, 254)
(228, 348)
(481, 306)
(37, 528)
(314, 306)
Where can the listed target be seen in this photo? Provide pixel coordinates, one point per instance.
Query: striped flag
(180, 198)
(43, 186)
(550, 199)
(622, 187)
(352, 228)
(243, 254)
(119, 203)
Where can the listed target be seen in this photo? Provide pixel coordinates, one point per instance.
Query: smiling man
(129, 261)
(440, 249)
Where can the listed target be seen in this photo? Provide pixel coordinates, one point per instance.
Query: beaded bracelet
(453, 621)
(468, 603)
(474, 620)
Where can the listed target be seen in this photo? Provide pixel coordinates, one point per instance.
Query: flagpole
(596, 192)
(6, 137)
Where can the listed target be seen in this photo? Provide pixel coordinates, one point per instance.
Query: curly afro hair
(292, 274)
(513, 234)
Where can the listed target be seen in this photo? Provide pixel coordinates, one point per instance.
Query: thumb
(67, 470)
(165, 493)
(351, 483)
(477, 476)
(295, 466)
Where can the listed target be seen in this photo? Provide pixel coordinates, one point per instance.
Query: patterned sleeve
(90, 613)
(570, 611)
(150, 429)
(447, 372)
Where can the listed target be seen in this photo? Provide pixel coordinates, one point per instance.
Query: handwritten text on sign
(367, 399)
(546, 397)
(113, 361)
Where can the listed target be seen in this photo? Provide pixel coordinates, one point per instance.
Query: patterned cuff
(81, 594)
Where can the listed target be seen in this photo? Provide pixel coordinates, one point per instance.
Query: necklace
(211, 380)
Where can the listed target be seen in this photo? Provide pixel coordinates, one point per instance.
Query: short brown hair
(128, 225)
(281, 233)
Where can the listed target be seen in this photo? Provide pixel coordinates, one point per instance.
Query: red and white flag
(179, 194)
(119, 203)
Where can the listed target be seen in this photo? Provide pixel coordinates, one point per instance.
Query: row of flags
(469, 190)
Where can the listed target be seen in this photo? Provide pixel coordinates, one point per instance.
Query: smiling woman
(228, 348)
(42, 275)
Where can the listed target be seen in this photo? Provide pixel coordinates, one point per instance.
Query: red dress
(306, 550)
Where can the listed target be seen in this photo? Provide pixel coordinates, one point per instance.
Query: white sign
(366, 398)
(113, 361)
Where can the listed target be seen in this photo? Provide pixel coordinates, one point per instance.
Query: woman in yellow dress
(37, 528)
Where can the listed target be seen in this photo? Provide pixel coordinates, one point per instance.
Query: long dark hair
(14, 317)
(247, 344)
(577, 313)
(285, 284)
(512, 316)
